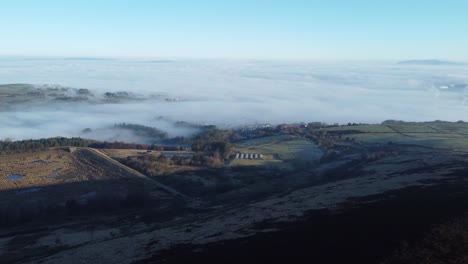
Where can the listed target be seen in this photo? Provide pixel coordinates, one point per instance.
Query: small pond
(15, 177)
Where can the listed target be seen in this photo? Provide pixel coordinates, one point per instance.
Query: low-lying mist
(229, 94)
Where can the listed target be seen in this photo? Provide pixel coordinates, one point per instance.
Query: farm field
(264, 162)
(442, 135)
(276, 150)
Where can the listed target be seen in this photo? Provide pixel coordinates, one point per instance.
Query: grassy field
(277, 149)
(56, 175)
(39, 168)
(361, 128)
(443, 135)
(123, 153)
(265, 162)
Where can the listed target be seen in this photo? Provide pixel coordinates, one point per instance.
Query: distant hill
(429, 62)
(88, 58)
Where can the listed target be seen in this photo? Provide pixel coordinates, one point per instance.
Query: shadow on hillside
(363, 234)
(57, 203)
(367, 230)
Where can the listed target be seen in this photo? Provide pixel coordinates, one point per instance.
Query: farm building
(248, 156)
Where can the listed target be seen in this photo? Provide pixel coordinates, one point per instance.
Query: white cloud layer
(231, 93)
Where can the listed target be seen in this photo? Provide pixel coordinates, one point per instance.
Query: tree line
(42, 144)
(8, 146)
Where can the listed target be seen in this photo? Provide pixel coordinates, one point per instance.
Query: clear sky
(265, 29)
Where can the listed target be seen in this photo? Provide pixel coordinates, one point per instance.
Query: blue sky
(237, 29)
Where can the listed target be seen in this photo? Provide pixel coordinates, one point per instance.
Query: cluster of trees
(215, 142)
(221, 148)
(124, 145)
(151, 164)
(143, 131)
(117, 94)
(42, 144)
(158, 165)
(212, 134)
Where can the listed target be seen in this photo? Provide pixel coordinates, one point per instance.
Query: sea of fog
(233, 92)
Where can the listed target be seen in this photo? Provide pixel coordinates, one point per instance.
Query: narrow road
(138, 174)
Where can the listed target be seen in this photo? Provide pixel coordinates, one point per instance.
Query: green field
(245, 162)
(277, 149)
(442, 135)
(361, 128)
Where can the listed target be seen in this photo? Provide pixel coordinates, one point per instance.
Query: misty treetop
(143, 131)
